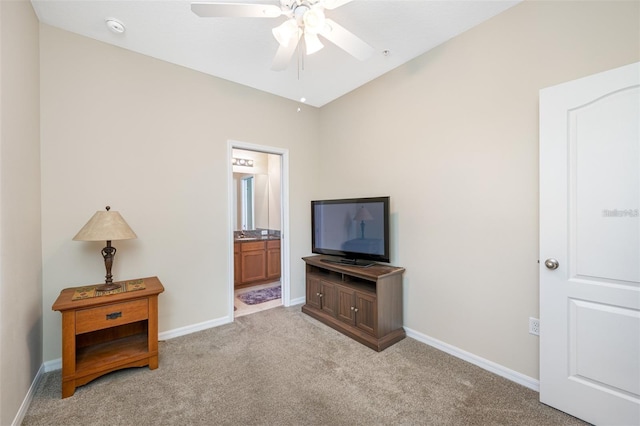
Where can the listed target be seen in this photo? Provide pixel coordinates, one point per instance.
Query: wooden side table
(106, 333)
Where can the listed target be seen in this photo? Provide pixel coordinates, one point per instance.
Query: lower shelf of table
(104, 354)
(100, 359)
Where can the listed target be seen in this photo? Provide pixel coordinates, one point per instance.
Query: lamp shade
(105, 226)
(363, 214)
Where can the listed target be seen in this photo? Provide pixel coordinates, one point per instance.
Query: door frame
(284, 216)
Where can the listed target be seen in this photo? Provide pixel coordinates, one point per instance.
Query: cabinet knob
(355, 310)
(352, 308)
(320, 294)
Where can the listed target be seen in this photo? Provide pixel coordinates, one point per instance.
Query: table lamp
(106, 226)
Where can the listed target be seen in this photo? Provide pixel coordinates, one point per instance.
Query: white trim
(298, 301)
(28, 398)
(230, 220)
(194, 328)
(53, 365)
(485, 364)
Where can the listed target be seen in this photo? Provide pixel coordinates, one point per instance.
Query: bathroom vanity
(256, 261)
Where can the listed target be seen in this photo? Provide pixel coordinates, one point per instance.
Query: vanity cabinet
(256, 262)
(273, 259)
(362, 303)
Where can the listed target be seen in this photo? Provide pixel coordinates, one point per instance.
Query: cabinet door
(346, 305)
(313, 291)
(273, 259)
(357, 308)
(254, 265)
(329, 296)
(366, 312)
(237, 264)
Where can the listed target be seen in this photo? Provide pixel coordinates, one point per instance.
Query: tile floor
(244, 309)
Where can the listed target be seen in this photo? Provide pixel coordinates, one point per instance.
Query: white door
(590, 234)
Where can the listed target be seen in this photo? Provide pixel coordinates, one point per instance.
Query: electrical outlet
(534, 326)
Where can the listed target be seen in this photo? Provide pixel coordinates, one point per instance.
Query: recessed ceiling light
(303, 99)
(115, 25)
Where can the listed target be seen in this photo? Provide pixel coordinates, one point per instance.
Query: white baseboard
(183, 331)
(500, 370)
(298, 301)
(54, 364)
(17, 421)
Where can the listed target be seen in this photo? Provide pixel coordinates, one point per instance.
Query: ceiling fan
(305, 19)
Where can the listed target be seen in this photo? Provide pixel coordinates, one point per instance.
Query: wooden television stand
(364, 303)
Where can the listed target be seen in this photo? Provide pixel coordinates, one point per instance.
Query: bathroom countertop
(261, 238)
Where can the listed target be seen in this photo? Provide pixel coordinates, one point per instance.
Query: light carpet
(282, 367)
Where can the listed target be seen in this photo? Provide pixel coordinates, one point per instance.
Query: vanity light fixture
(245, 162)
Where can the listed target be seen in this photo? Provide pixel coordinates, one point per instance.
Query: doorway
(258, 187)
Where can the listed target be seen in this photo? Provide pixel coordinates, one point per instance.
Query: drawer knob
(114, 315)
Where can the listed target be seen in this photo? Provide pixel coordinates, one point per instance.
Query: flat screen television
(356, 230)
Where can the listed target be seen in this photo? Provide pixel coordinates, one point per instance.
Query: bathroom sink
(247, 238)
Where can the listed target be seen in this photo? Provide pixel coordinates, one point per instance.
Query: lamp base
(108, 287)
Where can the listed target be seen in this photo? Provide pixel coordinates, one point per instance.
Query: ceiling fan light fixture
(312, 43)
(286, 31)
(314, 20)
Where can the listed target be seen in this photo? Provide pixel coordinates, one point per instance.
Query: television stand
(362, 303)
(352, 262)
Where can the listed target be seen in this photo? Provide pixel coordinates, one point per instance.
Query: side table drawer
(111, 315)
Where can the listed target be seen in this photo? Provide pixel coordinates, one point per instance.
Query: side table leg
(68, 353)
(68, 388)
(152, 332)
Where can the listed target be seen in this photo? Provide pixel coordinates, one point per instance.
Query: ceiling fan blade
(334, 4)
(235, 10)
(346, 40)
(284, 54)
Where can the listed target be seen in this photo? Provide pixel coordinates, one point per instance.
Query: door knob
(551, 264)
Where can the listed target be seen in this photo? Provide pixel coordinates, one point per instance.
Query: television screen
(354, 229)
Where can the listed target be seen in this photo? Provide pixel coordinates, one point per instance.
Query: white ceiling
(242, 49)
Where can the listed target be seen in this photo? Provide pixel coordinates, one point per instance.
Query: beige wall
(20, 252)
(150, 139)
(452, 137)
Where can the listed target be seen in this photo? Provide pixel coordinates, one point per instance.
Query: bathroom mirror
(257, 192)
(252, 201)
